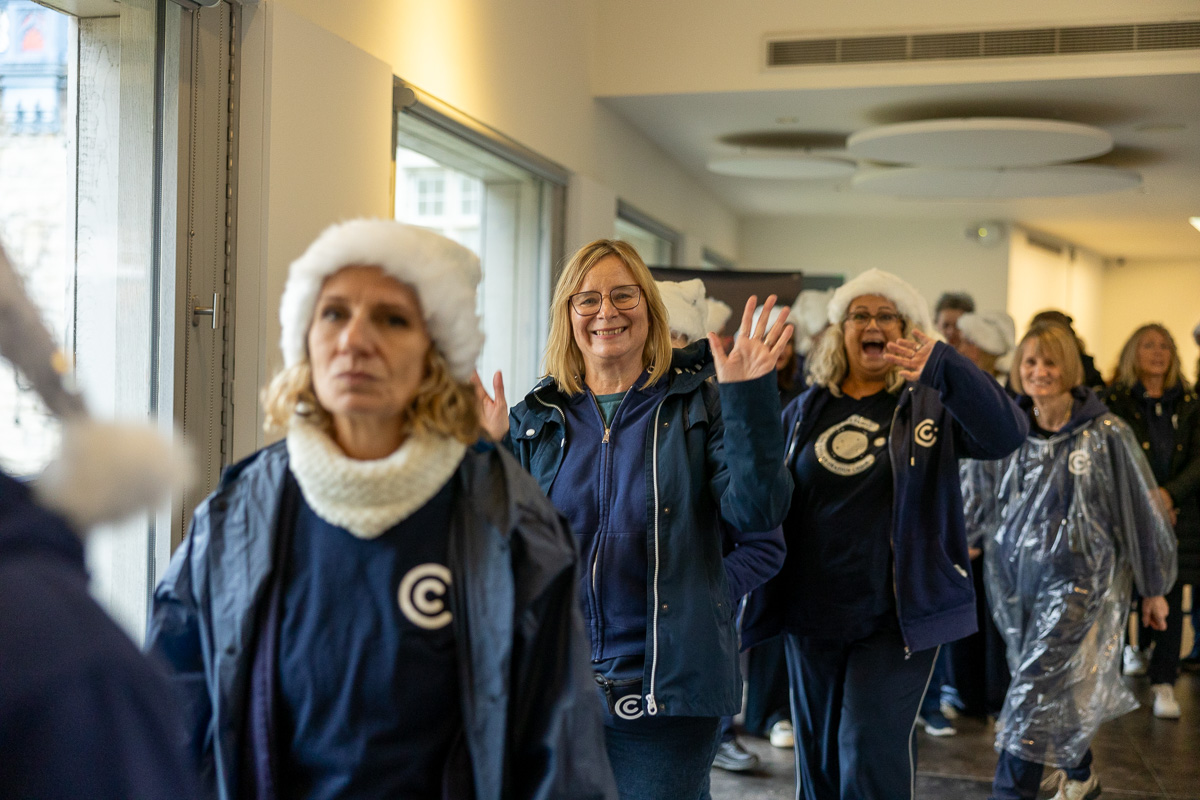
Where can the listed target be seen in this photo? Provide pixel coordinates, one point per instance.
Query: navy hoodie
(82, 712)
(954, 411)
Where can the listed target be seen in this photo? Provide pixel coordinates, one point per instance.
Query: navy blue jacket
(532, 726)
(955, 411)
(712, 452)
(82, 712)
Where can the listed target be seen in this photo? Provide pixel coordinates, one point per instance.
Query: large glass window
(502, 211)
(35, 195)
(86, 205)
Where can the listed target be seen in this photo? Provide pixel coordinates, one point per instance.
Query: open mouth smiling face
(871, 322)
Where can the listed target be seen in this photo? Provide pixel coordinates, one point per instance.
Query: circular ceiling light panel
(782, 167)
(980, 142)
(941, 183)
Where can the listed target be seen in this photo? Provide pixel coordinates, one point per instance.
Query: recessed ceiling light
(782, 166)
(1195, 222)
(944, 183)
(980, 142)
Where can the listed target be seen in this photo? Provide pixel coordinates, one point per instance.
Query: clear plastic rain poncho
(1075, 521)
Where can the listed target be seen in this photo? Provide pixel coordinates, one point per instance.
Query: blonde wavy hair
(441, 405)
(563, 361)
(828, 363)
(1053, 341)
(1127, 365)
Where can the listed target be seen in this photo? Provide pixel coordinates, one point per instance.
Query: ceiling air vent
(984, 44)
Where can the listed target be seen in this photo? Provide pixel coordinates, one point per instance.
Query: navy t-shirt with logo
(368, 671)
(839, 565)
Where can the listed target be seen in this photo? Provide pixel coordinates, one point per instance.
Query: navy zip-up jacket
(955, 411)
(711, 452)
(82, 712)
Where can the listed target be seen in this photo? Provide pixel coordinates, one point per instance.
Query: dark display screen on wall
(734, 286)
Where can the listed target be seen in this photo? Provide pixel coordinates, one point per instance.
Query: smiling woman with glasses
(627, 437)
(876, 575)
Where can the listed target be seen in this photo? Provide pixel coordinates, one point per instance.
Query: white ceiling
(1154, 121)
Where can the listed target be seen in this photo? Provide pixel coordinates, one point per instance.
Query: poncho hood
(1085, 408)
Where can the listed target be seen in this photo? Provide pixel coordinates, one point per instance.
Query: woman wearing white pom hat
(82, 712)
(380, 605)
(876, 574)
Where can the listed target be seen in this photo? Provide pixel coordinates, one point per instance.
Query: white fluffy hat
(687, 313)
(718, 314)
(992, 331)
(809, 314)
(443, 273)
(875, 281)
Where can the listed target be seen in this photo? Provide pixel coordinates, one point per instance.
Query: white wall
(1149, 291)
(522, 67)
(933, 255)
(1070, 280)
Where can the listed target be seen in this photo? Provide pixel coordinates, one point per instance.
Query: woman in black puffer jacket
(1164, 413)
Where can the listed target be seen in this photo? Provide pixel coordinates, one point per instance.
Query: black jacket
(82, 712)
(532, 723)
(1183, 483)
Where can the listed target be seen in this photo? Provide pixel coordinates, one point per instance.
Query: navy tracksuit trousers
(854, 709)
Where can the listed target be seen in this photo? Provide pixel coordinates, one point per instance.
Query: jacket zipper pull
(651, 706)
(607, 431)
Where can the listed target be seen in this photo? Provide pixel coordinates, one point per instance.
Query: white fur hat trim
(443, 273)
(686, 310)
(992, 332)
(809, 314)
(718, 314)
(875, 281)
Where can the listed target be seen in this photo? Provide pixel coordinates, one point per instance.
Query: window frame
(632, 215)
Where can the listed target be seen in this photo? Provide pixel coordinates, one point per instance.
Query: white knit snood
(368, 497)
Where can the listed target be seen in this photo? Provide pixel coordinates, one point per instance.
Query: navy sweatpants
(854, 709)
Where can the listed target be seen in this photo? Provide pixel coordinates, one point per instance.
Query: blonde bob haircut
(828, 363)
(441, 405)
(563, 361)
(1055, 343)
(1127, 367)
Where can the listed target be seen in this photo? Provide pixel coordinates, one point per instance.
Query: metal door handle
(202, 311)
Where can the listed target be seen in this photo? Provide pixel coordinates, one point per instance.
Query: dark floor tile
(1138, 757)
(940, 787)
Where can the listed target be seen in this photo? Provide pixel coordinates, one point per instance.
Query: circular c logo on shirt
(842, 448)
(422, 596)
(1079, 462)
(629, 707)
(925, 433)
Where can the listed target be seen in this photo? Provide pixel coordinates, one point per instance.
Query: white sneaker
(1135, 661)
(1079, 790)
(1165, 704)
(949, 710)
(1052, 783)
(782, 735)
